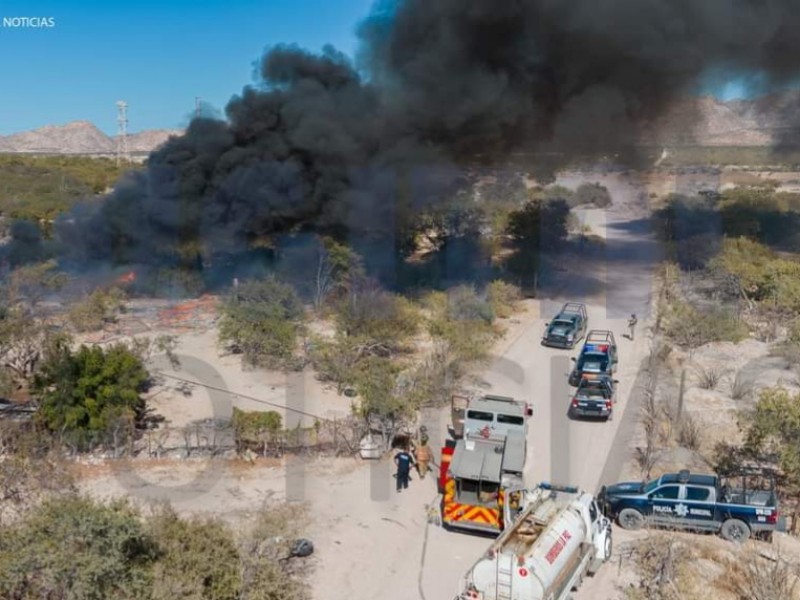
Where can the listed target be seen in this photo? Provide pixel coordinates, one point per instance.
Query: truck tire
(609, 546)
(735, 530)
(630, 519)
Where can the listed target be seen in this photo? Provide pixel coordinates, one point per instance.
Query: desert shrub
(383, 322)
(336, 360)
(752, 576)
(760, 274)
(661, 563)
(591, 193)
(76, 549)
(255, 428)
(533, 230)
(772, 429)
(742, 386)
(261, 320)
(692, 328)
(197, 558)
(87, 394)
(172, 282)
(99, 308)
(503, 298)
(708, 377)
(690, 433)
(376, 382)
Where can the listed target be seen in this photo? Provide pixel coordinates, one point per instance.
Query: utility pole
(122, 133)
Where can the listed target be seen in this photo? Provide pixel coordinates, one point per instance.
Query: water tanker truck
(560, 536)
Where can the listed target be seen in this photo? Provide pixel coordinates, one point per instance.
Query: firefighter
(404, 462)
(423, 456)
(632, 324)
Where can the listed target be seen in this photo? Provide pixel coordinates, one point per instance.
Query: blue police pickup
(697, 502)
(598, 356)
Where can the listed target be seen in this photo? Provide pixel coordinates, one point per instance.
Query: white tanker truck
(560, 536)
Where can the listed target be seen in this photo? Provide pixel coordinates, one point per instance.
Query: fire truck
(481, 470)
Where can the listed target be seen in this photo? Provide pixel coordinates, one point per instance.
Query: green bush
(197, 558)
(591, 193)
(262, 319)
(99, 308)
(761, 275)
(255, 428)
(83, 395)
(503, 298)
(40, 188)
(76, 549)
(692, 328)
(381, 321)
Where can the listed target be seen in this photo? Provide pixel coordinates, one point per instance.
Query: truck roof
(487, 459)
(689, 478)
(498, 404)
(476, 458)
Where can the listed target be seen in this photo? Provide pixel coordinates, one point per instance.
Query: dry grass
(742, 386)
(709, 377)
(754, 575)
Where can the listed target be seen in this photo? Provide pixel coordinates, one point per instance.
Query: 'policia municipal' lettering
(33, 22)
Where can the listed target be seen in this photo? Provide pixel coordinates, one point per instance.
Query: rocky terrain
(80, 137)
(701, 121)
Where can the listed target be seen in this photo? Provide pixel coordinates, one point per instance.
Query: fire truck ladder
(505, 574)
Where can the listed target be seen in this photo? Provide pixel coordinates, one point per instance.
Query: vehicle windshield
(562, 323)
(650, 486)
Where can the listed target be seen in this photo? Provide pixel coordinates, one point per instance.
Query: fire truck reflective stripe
(477, 514)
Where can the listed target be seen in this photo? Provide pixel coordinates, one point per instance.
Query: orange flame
(129, 277)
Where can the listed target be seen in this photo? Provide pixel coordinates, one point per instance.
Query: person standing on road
(404, 461)
(632, 324)
(423, 456)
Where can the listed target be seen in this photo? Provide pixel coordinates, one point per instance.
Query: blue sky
(157, 55)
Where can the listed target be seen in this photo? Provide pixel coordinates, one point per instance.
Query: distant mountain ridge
(697, 121)
(81, 138)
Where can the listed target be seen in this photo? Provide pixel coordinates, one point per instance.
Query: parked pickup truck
(568, 327)
(697, 502)
(593, 398)
(598, 356)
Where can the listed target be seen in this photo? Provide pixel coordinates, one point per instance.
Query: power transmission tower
(122, 133)
(197, 107)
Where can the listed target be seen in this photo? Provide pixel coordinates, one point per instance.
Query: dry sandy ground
(372, 542)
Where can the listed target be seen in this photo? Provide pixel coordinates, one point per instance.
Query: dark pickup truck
(568, 327)
(697, 502)
(593, 398)
(598, 356)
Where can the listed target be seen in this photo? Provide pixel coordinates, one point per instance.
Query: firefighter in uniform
(423, 456)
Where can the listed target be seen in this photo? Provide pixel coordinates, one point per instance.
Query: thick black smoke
(358, 150)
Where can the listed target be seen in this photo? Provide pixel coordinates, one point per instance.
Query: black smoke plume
(358, 148)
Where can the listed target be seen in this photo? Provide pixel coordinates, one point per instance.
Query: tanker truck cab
(558, 538)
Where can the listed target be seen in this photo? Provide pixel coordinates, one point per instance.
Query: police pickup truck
(598, 356)
(697, 502)
(593, 398)
(568, 327)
